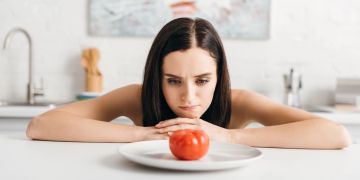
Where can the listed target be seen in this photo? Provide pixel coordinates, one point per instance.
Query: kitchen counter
(22, 158)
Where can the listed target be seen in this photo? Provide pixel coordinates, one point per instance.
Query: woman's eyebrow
(204, 74)
(200, 75)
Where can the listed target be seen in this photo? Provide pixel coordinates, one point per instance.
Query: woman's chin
(189, 115)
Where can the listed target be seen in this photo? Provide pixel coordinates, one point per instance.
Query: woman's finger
(176, 121)
(152, 133)
(176, 127)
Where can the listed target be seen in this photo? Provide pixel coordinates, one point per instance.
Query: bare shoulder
(250, 105)
(239, 98)
(243, 98)
(124, 101)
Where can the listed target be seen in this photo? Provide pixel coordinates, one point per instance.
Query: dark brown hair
(174, 36)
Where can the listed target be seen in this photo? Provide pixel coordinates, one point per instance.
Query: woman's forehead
(194, 60)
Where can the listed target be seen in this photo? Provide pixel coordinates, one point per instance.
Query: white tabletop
(21, 158)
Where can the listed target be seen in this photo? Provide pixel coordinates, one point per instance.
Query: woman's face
(189, 81)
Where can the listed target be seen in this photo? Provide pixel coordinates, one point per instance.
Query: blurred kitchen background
(319, 39)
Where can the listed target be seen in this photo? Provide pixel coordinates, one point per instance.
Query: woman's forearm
(63, 126)
(313, 133)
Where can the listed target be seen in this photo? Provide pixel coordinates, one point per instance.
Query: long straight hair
(177, 35)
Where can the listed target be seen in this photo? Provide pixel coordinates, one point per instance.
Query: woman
(186, 86)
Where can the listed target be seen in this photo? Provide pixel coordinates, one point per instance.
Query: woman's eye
(202, 81)
(173, 81)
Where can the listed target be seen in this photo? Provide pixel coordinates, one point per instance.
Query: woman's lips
(189, 108)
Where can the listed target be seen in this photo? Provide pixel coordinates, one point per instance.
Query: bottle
(293, 84)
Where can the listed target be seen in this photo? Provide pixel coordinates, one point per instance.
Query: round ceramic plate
(220, 156)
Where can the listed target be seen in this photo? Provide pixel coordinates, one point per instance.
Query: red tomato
(189, 144)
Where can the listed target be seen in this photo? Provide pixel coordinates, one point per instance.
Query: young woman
(186, 86)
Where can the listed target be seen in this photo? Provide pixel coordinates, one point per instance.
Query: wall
(320, 38)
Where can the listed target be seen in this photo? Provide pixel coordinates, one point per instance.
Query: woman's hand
(214, 132)
(151, 133)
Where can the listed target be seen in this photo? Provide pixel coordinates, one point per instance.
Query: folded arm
(59, 125)
(285, 127)
(89, 121)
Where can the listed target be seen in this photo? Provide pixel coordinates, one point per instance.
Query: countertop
(21, 158)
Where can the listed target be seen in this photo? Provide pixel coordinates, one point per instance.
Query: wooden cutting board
(93, 77)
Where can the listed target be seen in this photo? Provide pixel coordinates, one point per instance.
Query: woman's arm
(60, 125)
(285, 127)
(88, 121)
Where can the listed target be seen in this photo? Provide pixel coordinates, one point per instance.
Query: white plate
(219, 156)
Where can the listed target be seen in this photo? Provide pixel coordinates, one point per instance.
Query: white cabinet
(13, 124)
(354, 130)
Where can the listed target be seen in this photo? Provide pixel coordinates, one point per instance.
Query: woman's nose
(189, 92)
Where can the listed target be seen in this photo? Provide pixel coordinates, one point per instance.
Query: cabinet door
(13, 124)
(354, 130)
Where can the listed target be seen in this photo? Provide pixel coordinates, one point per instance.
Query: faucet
(293, 84)
(32, 91)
